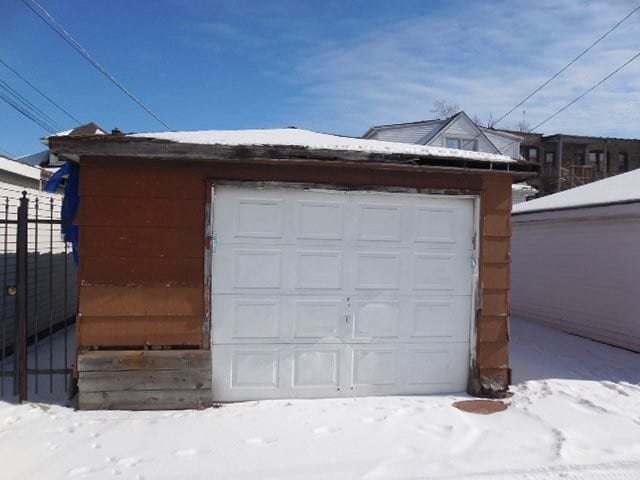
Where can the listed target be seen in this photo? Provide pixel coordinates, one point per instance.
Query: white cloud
(484, 57)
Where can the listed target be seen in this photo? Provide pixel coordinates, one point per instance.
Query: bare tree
(444, 109)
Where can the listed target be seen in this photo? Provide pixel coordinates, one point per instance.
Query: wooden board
(144, 379)
(112, 360)
(141, 212)
(139, 331)
(105, 301)
(100, 177)
(145, 400)
(135, 242)
(142, 271)
(188, 379)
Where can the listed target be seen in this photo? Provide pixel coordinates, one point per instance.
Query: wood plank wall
(495, 280)
(141, 255)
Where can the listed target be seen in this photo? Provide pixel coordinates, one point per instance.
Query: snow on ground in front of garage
(575, 414)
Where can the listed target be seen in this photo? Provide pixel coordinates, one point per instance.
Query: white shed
(576, 260)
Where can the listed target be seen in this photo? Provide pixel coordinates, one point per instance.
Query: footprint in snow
(76, 472)
(257, 441)
(129, 462)
(11, 420)
(189, 452)
(373, 419)
(325, 430)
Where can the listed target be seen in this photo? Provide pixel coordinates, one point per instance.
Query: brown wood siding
(141, 248)
(142, 245)
(495, 279)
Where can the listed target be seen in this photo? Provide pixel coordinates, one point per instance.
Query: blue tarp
(69, 203)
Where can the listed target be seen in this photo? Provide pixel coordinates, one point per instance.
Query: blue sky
(332, 66)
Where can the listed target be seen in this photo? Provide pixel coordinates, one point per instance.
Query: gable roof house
(252, 264)
(575, 260)
(457, 131)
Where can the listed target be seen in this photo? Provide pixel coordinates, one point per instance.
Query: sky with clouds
(335, 66)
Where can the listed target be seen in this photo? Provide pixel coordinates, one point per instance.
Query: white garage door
(321, 293)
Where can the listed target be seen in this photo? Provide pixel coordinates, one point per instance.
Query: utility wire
(46, 17)
(555, 75)
(26, 113)
(587, 91)
(46, 97)
(26, 104)
(2, 149)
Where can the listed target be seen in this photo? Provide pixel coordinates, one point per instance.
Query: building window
(623, 161)
(462, 143)
(453, 143)
(532, 154)
(596, 158)
(549, 158)
(578, 155)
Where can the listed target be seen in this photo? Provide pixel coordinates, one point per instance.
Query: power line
(587, 91)
(46, 17)
(2, 149)
(26, 113)
(555, 75)
(40, 92)
(26, 105)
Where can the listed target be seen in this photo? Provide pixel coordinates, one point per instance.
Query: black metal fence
(39, 299)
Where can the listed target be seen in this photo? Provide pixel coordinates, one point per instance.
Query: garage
(220, 266)
(329, 293)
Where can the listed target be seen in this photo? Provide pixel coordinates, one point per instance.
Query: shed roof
(314, 141)
(623, 188)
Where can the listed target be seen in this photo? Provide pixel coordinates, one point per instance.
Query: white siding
(410, 133)
(505, 145)
(47, 263)
(579, 271)
(464, 128)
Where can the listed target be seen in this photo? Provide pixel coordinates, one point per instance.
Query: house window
(596, 158)
(549, 158)
(462, 143)
(578, 155)
(623, 161)
(532, 154)
(453, 143)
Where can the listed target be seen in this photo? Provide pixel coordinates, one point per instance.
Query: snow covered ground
(574, 414)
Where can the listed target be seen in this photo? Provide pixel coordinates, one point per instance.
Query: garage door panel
(256, 268)
(254, 318)
(377, 270)
(319, 220)
(374, 366)
(254, 368)
(378, 222)
(376, 319)
(438, 319)
(315, 367)
(318, 318)
(436, 369)
(255, 218)
(318, 269)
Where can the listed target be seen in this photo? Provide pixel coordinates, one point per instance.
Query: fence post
(21, 280)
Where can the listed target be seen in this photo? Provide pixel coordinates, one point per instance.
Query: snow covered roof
(313, 140)
(18, 168)
(618, 189)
